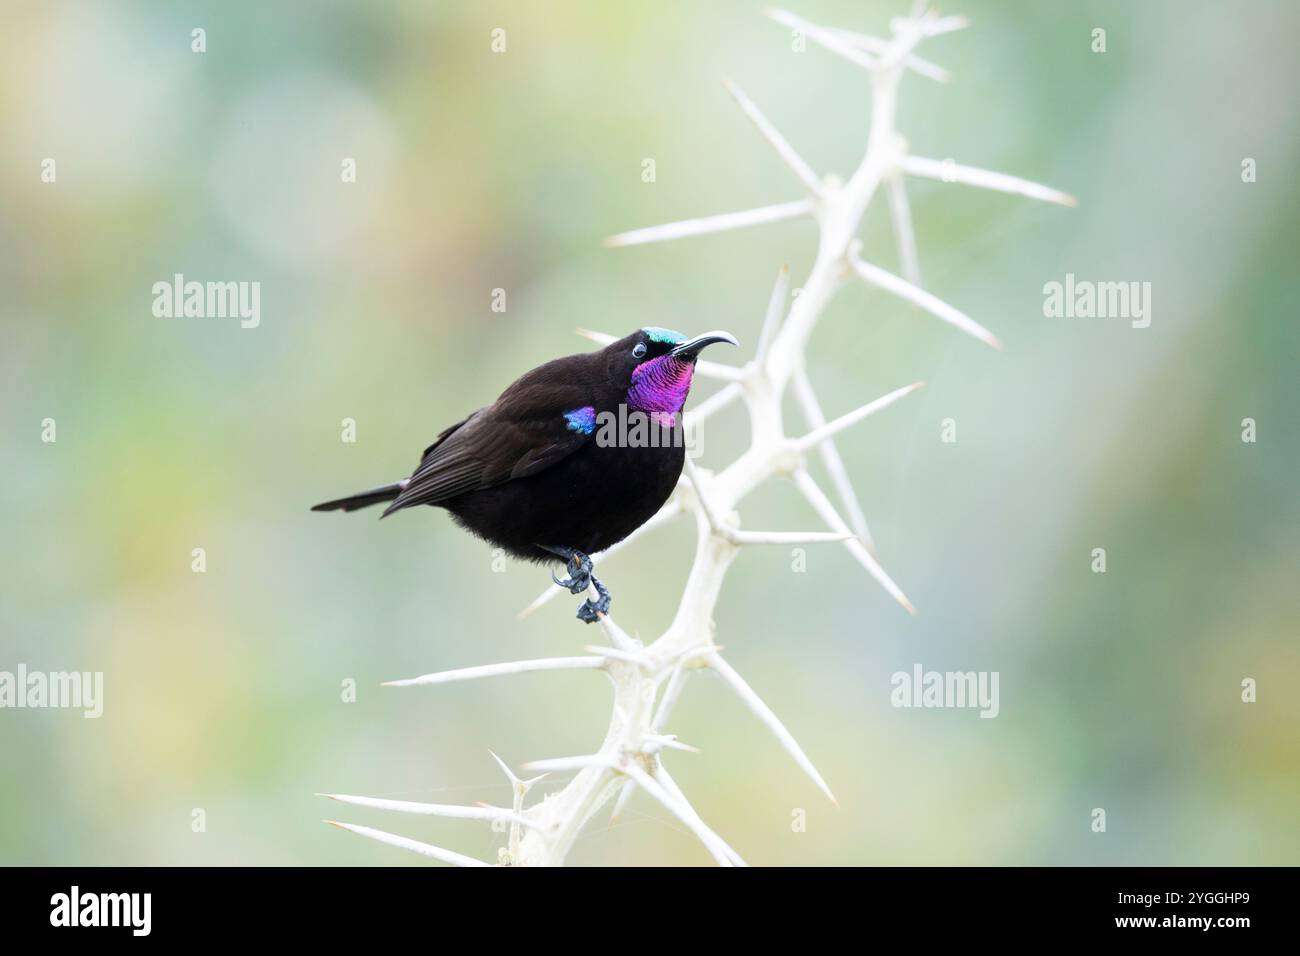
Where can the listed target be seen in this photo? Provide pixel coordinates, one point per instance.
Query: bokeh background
(479, 171)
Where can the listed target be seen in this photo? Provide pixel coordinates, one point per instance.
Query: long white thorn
(822, 505)
(775, 139)
(905, 237)
(830, 429)
(719, 371)
(824, 37)
(600, 338)
(710, 515)
(676, 681)
(775, 309)
(875, 45)
(619, 637)
(709, 224)
(874, 275)
(653, 743)
(665, 514)
(949, 172)
(738, 537)
(494, 670)
(668, 783)
(518, 790)
(714, 404)
(452, 810)
(942, 25)
(636, 658)
(544, 598)
(812, 411)
(571, 763)
(769, 720)
(789, 537)
(415, 846)
(716, 846)
(624, 795)
(520, 787)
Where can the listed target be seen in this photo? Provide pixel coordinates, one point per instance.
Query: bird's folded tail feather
(363, 499)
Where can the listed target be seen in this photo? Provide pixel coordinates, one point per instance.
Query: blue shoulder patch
(582, 420)
(666, 336)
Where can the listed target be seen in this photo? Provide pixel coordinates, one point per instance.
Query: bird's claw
(590, 611)
(579, 579)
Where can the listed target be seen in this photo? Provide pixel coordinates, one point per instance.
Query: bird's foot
(579, 567)
(590, 611)
(579, 580)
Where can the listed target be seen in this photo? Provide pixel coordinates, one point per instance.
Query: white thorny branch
(648, 679)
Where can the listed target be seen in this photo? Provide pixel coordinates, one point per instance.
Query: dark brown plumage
(536, 472)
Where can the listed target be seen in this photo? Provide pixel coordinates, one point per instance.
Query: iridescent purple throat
(659, 387)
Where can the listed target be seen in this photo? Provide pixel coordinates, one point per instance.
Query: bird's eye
(638, 350)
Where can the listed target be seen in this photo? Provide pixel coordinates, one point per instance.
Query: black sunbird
(532, 474)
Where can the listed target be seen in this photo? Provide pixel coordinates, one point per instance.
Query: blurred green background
(479, 171)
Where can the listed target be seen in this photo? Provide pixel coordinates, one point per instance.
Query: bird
(569, 460)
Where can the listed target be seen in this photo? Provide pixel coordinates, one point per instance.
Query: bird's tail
(362, 499)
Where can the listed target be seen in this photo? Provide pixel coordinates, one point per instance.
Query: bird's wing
(531, 427)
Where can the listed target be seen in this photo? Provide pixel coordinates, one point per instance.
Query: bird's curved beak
(690, 349)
